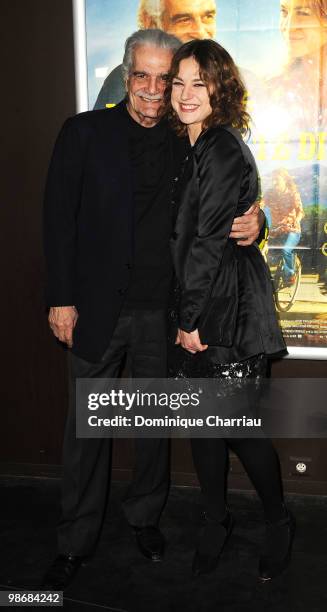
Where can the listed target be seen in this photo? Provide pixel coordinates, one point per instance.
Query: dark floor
(119, 578)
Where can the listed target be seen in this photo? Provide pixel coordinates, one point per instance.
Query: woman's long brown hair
(225, 86)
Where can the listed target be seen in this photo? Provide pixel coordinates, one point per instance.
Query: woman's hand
(190, 341)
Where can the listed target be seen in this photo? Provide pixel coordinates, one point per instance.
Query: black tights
(260, 461)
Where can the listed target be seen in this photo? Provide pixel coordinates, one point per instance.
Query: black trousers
(141, 335)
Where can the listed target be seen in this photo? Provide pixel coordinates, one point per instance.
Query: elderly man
(186, 19)
(107, 229)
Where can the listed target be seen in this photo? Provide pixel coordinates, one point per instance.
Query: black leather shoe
(61, 572)
(150, 542)
(277, 550)
(212, 542)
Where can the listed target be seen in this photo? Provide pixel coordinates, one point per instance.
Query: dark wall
(37, 95)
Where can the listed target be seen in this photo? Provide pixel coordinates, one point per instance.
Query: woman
(301, 89)
(224, 308)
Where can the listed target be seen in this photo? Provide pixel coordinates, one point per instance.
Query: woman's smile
(188, 108)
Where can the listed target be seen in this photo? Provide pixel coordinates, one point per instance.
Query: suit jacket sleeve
(61, 204)
(220, 170)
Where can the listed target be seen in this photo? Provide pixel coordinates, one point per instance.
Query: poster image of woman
(301, 88)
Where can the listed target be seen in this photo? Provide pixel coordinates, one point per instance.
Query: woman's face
(189, 96)
(303, 29)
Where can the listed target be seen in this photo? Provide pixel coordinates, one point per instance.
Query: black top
(152, 266)
(224, 290)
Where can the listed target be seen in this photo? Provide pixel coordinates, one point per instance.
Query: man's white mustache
(144, 94)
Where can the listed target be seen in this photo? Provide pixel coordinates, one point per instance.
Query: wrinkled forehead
(151, 59)
(188, 7)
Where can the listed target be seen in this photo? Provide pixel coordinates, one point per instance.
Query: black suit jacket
(225, 289)
(88, 225)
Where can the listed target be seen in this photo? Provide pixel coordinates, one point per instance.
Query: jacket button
(128, 266)
(121, 291)
(174, 235)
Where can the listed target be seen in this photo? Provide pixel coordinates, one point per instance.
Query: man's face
(302, 28)
(190, 19)
(146, 83)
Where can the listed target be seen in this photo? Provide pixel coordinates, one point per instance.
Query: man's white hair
(153, 9)
(151, 38)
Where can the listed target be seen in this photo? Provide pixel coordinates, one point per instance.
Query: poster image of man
(185, 19)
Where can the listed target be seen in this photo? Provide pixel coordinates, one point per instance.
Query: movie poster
(280, 47)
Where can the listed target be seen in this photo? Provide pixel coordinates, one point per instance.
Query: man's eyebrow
(136, 72)
(178, 16)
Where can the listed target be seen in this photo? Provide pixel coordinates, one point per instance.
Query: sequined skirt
(182, 364)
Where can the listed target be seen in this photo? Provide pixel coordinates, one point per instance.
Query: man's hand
(62, 320)
(190, 341)
(178, 337)
(247, 228)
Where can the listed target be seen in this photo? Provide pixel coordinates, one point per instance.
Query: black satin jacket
(225, 290)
